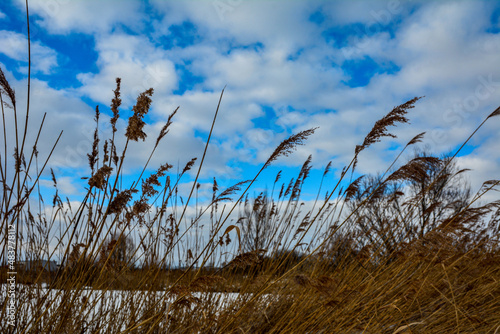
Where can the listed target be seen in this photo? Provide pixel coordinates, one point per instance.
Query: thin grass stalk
(202, 157)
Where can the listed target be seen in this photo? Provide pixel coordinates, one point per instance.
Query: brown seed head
(98, 180)
(289, 145)
(5, 88)
(135, 122)
(115, 104)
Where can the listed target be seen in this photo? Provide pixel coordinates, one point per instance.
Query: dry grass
(409, 251)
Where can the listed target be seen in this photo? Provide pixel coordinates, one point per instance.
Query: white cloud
(278, 23)
(87, 16)
(65, 184)
(483, 168)
(15, 46)
(443, 45)
(2, 15)
(65, 112)
(136, 61)
(369, 13)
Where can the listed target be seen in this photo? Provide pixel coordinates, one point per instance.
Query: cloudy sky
(287, 66)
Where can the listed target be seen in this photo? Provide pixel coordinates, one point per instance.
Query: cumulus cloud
(136, 61)
(282, 24)
(94, 16)
(65, 112)
(15, 46)
(65, 184)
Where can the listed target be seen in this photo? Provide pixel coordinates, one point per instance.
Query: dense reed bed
(411, 250)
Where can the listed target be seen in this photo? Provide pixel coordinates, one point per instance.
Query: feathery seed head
(135, 122)
(5, 87)
(115, 104)
(287, 146)
(98, 180)
(379, 130)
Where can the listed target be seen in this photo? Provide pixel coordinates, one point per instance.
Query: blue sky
(287, 65)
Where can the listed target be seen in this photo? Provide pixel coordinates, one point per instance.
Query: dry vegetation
(407, 251)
